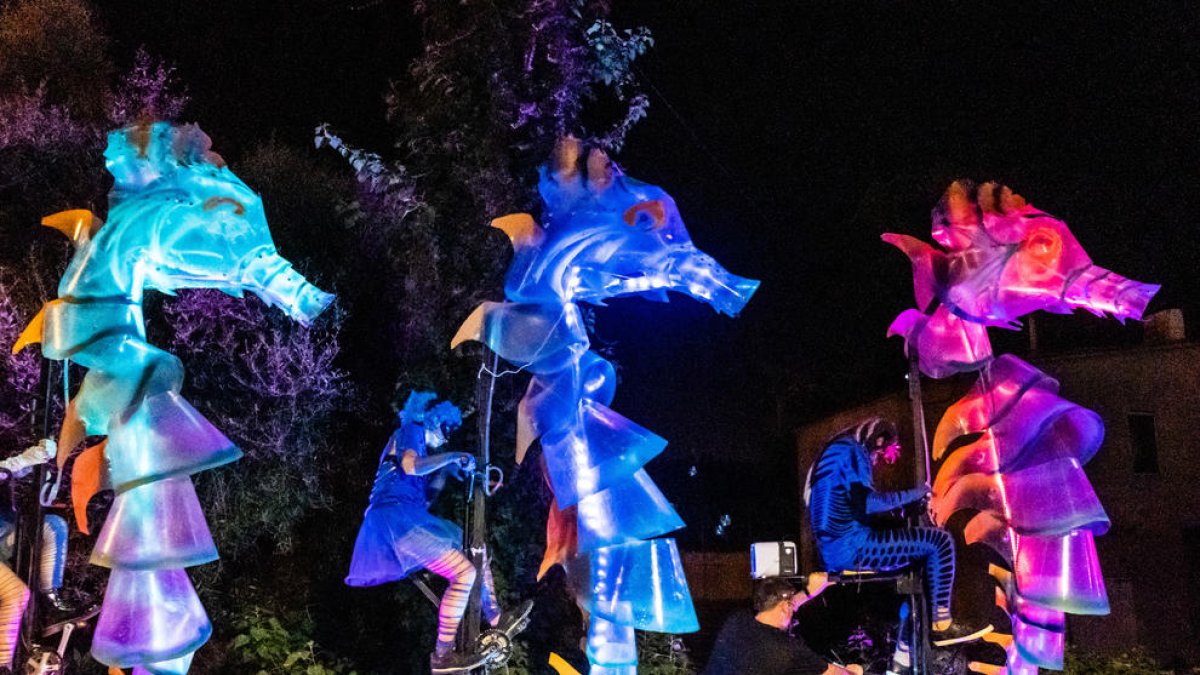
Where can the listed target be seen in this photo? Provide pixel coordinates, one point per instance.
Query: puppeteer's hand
(464, 462)
(817, 582)
(48, 449)
(855, 668)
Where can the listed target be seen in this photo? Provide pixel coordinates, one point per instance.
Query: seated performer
(399, 535)
(841, 498)
(760, 644)
(14, 594)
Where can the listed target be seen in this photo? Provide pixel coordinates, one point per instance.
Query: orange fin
(521, 228)
(560, 665)
(86, 481)
(78, 224)
(70, 435)
(562, 537)
(32, 334)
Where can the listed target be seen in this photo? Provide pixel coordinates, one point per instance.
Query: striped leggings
(888, 549)
(14, 594)
(456, 569)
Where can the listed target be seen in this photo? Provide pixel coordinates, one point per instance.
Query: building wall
(1144, 556)
(1151, 556)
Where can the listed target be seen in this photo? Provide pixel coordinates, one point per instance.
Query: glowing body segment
(600, 238)
(1012, 449)
(178, 218)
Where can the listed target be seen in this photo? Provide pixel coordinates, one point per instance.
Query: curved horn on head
(566, 158)
(599, 170)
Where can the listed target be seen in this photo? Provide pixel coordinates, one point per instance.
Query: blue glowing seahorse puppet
(602, 236)
(1012, 451)
(177, 218)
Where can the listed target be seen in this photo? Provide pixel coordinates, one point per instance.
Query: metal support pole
(919, 602)
(29, 521)
(476, 532)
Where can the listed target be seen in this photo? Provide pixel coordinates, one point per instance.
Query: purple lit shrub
(21, 373)
(272, 386)
(149, 91)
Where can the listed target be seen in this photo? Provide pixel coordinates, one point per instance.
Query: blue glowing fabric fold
(603, 235)
(640, 583)
(602, 450)
(630, 510)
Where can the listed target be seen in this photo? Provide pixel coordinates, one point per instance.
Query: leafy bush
(264, 643)
(1132, 662)
(663, 654)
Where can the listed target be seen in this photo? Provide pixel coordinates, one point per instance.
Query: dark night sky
(791, 134)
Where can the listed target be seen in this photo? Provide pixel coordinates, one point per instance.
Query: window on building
(1145, 445)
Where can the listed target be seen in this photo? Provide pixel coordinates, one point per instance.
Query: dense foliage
(400, 235)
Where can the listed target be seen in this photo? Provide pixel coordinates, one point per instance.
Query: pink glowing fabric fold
(1012, 450)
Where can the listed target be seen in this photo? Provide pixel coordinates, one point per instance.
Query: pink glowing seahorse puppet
(1012, 451)
(602, 236)
(178, 218)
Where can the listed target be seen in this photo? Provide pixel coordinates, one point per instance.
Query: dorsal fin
(521, 228)
(32, 334)
(78, 224)
(87, 479)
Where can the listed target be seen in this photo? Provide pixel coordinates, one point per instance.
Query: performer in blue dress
(399, 535)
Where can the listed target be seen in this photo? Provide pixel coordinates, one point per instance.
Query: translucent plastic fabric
(1061, 573)
(1039, 646)
(1012, 449)
(1034, 614)
(611, 647)
(1027, 423)
(1049, 499)
(1018, 665)
(603, 235)
(957, 345)
(1002, 259)
(68, 325)
(178, 218)
(991, 530)
(163, 437)
(1052, 499)
(148, 617)
(632, 509)
(609, 451)
(155, 526)
(640, 582)
(177, 666)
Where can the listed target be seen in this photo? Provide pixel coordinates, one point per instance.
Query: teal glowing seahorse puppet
(602, 236)
(1011, 452)
(177, 218)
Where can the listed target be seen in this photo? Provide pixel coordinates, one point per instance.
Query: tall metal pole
(476, 534)
(29, 521)
(919, 602)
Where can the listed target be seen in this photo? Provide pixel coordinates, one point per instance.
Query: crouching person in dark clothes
(758, 642)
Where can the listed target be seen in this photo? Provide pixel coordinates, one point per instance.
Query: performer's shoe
(57, 612)
(957, 633)
(514, 620)
(453, 662)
